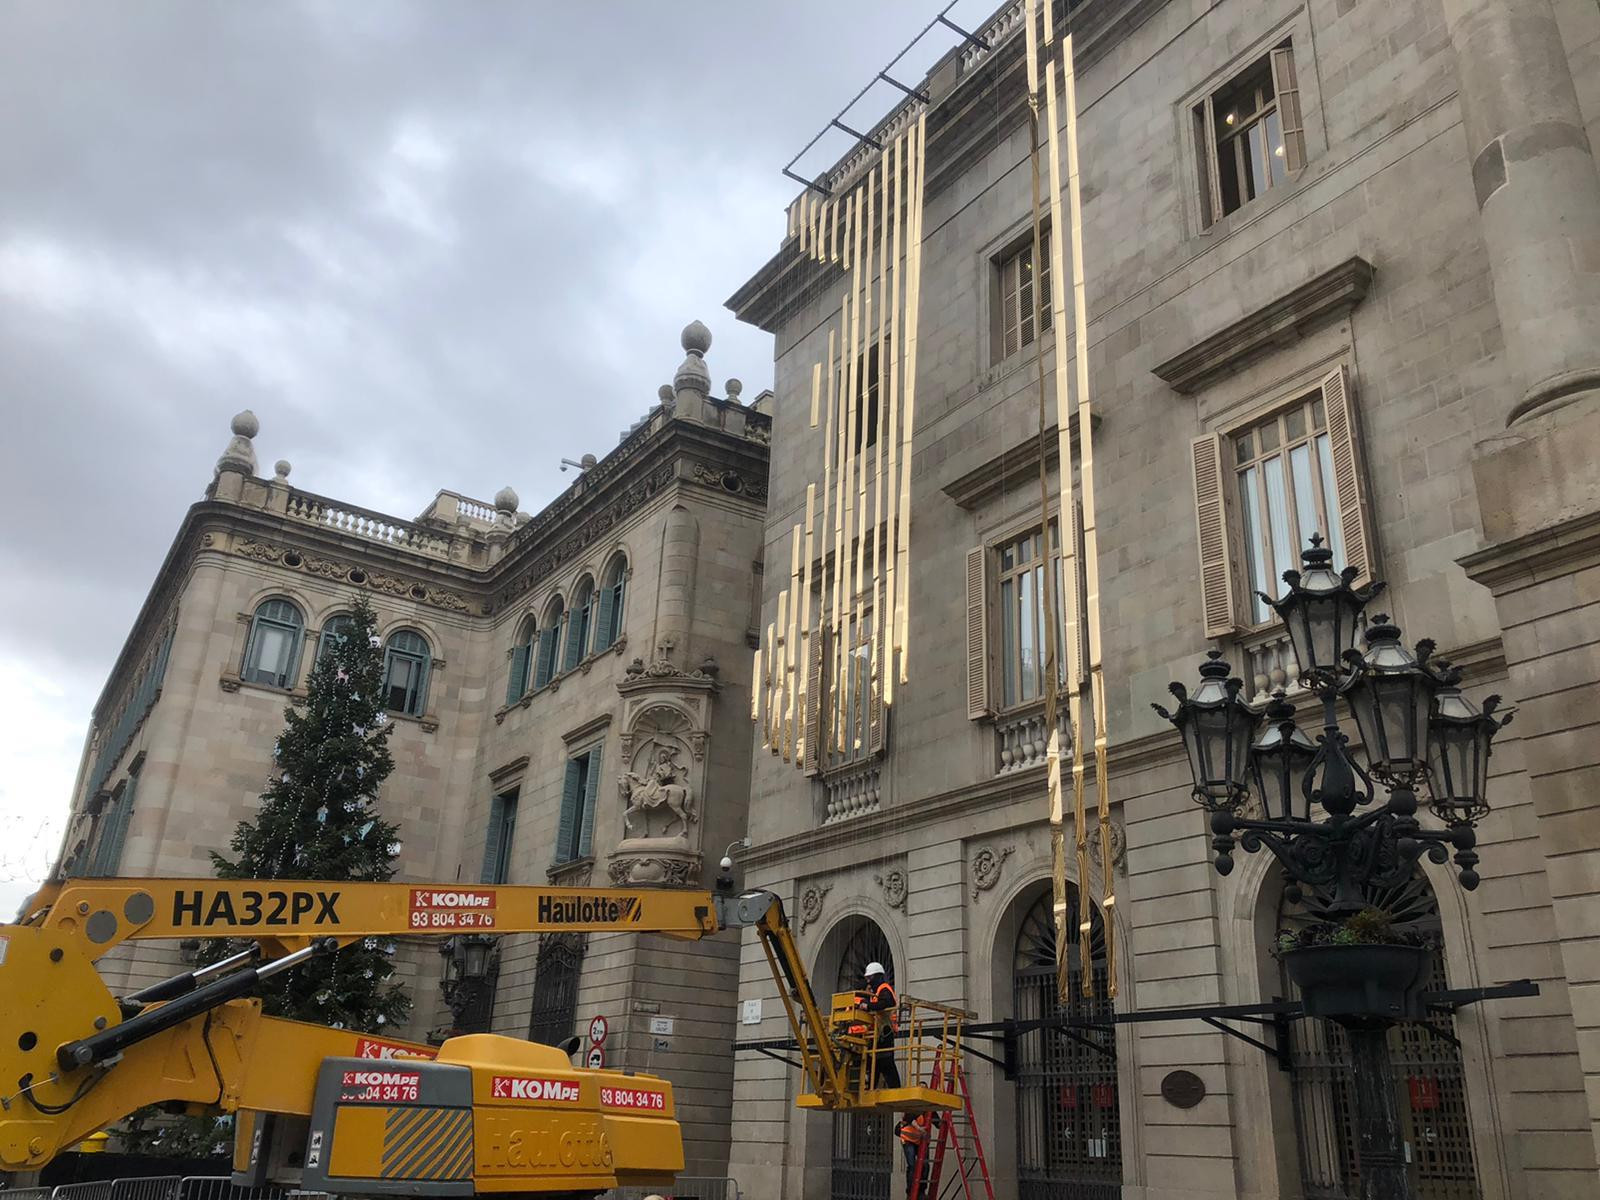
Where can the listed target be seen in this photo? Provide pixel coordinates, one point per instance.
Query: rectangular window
(1021, 601)
(1248, 135)
(1013, 325)
(870, 367)
(579, 789)
(1283, 476)
(502, 832)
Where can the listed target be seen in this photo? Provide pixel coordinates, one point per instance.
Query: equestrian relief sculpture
(661, 791)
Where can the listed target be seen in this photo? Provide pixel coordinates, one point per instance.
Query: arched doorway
(863, 1143)
(1069, 1124)
(1429, 1085)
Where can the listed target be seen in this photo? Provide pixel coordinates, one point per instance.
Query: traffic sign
(598, 1028)
(597, 1058)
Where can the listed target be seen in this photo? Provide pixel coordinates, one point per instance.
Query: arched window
(405, 673)
(522, 660)
(334, 630)
(579, 620)
(272, 655)
(1069, 1123)
(608, 625)
(544, 669)
(1430, 1091)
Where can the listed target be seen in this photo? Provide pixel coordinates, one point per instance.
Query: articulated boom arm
(74, 1059)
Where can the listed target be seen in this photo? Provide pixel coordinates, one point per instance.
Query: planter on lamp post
(1416, 730)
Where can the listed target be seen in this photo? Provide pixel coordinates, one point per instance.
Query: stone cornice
(1135, 754)
(1011, 468)
(1319, 300)
(1561, 549)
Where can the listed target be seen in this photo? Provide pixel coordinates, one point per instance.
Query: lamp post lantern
(1417, 730)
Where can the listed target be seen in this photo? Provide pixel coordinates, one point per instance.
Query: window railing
(852, 792)
(1021, 740)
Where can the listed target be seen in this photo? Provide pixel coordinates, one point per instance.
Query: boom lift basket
(927, 1048)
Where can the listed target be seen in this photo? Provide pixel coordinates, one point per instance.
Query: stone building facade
(1343, 263)
(568, 691)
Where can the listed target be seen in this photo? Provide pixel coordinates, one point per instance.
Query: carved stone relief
(986, 866)
(893, 883)
(327, 568)
(811, 904)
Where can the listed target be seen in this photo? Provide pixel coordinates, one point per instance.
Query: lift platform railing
(926, 1048)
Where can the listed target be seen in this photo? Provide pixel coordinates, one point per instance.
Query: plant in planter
(1361, 968)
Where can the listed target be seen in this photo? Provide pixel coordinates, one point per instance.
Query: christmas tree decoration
(320, 820)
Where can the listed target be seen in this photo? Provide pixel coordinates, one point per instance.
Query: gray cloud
(430, 244)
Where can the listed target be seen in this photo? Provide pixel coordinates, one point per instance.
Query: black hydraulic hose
(98, 1047)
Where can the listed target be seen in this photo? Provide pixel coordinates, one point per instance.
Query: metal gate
(1430, 1091)
(863, 1143)
(1069, 1122)
(555, 987)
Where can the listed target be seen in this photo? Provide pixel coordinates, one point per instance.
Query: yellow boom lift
(332, 1110)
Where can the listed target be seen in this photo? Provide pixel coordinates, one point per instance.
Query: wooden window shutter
(602, 631)
(877, 715)
(570, 799)
(1355, 519)
(547, 657)
(590, 793)
(1287, 88)
(1216, 571)
(1205, 153)
(977, 633)
(493, 870)
(815, 706)
(518, 683)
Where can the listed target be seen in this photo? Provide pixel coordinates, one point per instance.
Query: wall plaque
(1182, 1089)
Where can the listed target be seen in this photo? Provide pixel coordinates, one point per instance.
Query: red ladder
(958, 1132)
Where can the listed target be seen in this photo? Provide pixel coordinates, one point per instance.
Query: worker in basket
(878, 1000)
(913, 1130)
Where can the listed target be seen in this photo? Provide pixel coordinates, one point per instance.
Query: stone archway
(1430, 1083)
(1068, 1124)
(862, 1158)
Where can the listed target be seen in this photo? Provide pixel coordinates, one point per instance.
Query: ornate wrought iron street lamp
(469, 966)
(1416, 729)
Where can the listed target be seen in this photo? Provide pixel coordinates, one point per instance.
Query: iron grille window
(1429, 1083)
(1069, 1122)
(555, 987)
(864, 1145)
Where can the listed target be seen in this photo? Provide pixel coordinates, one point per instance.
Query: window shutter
(575, 625)
(108, 855)
(519, 673)
(875, 713)
(547, 657)
(602, 632)
(569, 813)
(977, 633)
(1354, 513)
(586, 826)
(496, 838)
(1287, 87)
(1216, 571)
(1205, 152)
(815, 653)
(420, 705)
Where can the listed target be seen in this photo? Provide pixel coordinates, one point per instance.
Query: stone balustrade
(1268, 666)
(1020, 738)
(364, 523)
(853, 792)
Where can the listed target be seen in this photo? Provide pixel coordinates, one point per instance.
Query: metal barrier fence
(688, 1187)
(158, 1187)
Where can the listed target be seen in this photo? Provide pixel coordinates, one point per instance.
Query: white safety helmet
(874, 968)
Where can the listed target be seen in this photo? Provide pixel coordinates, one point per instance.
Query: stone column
(1538, 195)
(1538, 482)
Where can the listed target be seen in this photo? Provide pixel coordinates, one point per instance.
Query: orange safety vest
(893, 1011)
(914, 1133)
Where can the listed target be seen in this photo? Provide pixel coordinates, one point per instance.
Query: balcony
(852, 791)
(1020, 739)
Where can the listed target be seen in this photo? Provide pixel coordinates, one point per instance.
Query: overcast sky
(431, 245)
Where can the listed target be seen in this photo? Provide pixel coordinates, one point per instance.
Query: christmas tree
(319, 819)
